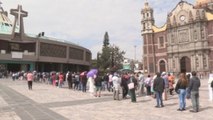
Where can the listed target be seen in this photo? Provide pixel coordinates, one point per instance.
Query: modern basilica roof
(6, 27)
(5, 23)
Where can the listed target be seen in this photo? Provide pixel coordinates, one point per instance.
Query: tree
(110, 57)
(106, 40)
(117, 57)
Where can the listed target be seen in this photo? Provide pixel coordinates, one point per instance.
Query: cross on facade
(18, 23)
(19, 14)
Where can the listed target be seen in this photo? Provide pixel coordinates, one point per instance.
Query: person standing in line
(77, 81)
(166, 82)
(194, 89)
(133, 80)
(171, 80)
(188, 95)
(148, 85)
(110, 82)
(141, 83)
(69, 80)
(106, 80)
(210, 87)
(53, 79)
(92, 84)
(181, 91)
(30, 80)
(158, 87)
(116, 85)
(84, 82)
(98, 83)
(61, 79)
(124, 85)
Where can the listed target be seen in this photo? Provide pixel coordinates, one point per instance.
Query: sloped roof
(5, 23)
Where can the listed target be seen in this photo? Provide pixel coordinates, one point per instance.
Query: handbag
(131, 86)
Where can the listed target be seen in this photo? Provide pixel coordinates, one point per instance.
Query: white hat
(163, 73)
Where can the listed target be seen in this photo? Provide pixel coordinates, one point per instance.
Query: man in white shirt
(116, 85)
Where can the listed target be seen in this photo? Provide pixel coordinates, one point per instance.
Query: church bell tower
(147, 18)
(147, 22)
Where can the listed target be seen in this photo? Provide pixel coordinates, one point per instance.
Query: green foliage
(111, 57)
(106, 40)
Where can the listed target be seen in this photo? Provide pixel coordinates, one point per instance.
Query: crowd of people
(126, 85)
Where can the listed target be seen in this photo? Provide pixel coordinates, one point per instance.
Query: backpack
(212, 84)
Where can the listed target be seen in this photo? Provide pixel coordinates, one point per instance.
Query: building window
(173, 63)
(75, 53)
(202, 34)
(52, 50)
(144, 26)
(161, 42)
(204, 62)
(172, 38)
(197, 61)
(88, 56)
(195, 35)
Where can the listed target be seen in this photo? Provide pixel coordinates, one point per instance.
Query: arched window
(162, 66)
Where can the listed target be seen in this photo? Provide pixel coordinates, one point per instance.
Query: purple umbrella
(92, 72)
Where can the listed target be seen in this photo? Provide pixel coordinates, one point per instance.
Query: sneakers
(181, 109)
(157, 106)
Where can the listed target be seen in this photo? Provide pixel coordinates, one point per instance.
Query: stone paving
(46, 102)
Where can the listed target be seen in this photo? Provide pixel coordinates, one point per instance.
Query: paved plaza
(46, 102)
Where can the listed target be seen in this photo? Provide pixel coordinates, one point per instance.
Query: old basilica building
(184, 43)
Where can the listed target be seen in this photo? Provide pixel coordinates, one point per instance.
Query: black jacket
(179, 86)
(159, 84)
(194, 84)
(98, 81)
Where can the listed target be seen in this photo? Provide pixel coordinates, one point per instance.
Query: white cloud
(85, 21)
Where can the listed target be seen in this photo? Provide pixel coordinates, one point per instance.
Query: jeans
(182, 99)
(195, 100)
(30, 84)
(116, 94)
(132, 94)
(84, 87)
(159, 98)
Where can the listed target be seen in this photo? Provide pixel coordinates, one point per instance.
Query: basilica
(184, 43)
(20, 51)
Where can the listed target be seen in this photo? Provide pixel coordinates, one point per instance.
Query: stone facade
(183, 44)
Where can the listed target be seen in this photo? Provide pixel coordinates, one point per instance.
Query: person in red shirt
(61, 79)
(30, 80)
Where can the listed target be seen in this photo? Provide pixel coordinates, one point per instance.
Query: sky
(84, 22)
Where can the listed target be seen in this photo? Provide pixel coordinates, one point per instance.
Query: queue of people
(131, 85)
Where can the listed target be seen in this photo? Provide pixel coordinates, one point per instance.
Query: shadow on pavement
(171, 104)
(205, 108)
